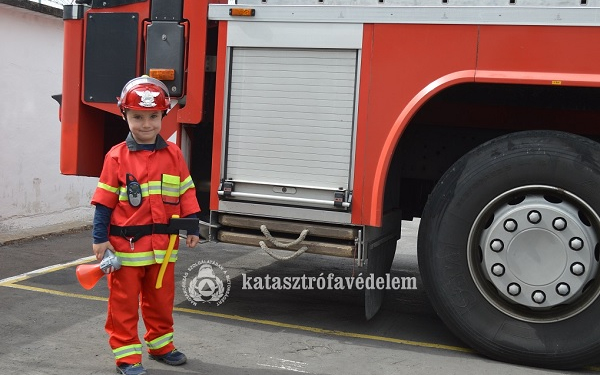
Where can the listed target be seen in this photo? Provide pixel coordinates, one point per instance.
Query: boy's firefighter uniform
(140, 236)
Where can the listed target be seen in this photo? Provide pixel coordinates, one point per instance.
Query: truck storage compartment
(289, 132)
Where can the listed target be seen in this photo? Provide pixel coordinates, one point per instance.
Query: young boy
(144, 182)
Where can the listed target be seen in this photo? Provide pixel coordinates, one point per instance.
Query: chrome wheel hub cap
(536, 251)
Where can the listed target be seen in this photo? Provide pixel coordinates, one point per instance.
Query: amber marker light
(242, 12)
(162, 74)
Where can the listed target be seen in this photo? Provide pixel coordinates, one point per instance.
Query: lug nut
(534, 217)
(538, 296)
(498, 269)
(510, 225)
(563, 289)
(514, 289)
(577, 269)
(497, 245)
(576, 243)
(559, 223)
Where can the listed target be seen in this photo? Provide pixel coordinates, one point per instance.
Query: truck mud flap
(380, 247)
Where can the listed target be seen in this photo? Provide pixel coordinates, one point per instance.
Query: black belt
(134, 232)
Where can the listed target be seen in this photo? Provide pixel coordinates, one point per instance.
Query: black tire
(467, 205)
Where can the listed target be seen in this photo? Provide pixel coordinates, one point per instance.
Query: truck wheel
(509, 248)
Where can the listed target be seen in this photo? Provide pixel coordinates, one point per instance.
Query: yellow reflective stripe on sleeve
(160, 342)
(125, 351)
(108, 188)
(136, 259)
(185, 185)
(160, 255)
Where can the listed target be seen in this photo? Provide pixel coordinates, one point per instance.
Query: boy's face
(144, 125)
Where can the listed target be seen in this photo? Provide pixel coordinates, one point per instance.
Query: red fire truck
(324, 123)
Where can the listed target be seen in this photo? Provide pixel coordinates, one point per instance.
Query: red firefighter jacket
(167, 189)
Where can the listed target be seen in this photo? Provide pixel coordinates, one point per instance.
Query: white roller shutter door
(291, 120)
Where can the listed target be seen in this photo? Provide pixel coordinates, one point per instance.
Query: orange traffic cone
(88, 275)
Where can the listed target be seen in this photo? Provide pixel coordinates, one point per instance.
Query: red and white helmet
(144, 93)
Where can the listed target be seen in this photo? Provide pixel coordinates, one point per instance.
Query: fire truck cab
(318, 125)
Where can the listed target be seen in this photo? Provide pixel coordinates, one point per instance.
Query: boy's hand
(192, 241)
(100, 248)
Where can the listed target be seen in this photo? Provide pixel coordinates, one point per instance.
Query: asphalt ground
(51, 325)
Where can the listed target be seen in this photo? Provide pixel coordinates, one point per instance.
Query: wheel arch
(389, 149)
(453, 115)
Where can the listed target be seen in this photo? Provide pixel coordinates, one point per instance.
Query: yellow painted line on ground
(326, 331)
(271, 323)
(12, 283)
(42, 271)
(54, 292)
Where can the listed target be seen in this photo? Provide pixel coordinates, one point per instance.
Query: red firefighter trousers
(132, 288)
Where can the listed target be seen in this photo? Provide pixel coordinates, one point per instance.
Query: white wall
(33, 193)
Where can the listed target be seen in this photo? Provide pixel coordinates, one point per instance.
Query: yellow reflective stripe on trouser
(126, 351)
(160, 255)
(136, 259)
(160, 342)
(185, 185)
